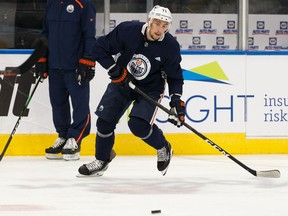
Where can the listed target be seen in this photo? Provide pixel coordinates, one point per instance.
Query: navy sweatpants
(65, 92)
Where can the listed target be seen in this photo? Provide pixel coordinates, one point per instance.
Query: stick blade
(40, 46)
(10, 71)
(269, 174)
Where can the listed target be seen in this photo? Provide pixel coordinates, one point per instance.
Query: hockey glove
(41, 68)
(120, 76)
(178, 110)
(85, 71)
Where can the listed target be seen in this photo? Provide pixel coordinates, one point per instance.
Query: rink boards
(127, 144)
(237, 99)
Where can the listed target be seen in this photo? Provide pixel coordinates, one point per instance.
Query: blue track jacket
(67, 25)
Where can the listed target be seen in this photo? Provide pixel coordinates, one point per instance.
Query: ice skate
(96, 167)
(164, 156)
(54, 152)
(71, 150)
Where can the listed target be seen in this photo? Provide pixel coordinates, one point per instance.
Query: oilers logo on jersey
(70, 8)
(139, 66)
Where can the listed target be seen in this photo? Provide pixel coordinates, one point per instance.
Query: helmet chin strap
(148, 30)
(147, 33)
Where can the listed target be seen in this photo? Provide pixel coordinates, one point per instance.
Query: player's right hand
(120, 76)
(41, 68)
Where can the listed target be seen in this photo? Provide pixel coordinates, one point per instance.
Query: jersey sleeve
(173, 70)
(112, 44)
(44, 32)
(88, 25)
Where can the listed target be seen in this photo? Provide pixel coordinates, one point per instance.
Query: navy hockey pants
(112, 106)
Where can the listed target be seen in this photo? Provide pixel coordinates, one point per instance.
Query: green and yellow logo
(211, 72)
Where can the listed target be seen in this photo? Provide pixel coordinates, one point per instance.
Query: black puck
(156, 211)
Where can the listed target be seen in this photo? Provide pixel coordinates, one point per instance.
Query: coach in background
(70, 29)
(148, 55)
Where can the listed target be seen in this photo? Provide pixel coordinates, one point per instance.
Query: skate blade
(164, 171)
(54, 156)
(71, 157)
(99, 174)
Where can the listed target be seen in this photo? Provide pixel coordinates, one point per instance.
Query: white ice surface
(132, 186)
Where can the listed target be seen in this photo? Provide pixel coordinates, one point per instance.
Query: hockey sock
(153, 136)
(156, 139)
(104, 145)
(104, 139)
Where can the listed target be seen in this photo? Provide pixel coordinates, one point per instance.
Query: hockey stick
(18, 121)
(40, 46)
(267, 173)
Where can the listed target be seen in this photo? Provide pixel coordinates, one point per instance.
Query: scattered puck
(156, 211)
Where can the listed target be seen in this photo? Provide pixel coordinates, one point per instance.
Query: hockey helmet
(160, 13)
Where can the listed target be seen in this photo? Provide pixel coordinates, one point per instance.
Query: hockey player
(146, 54)
(70, 29)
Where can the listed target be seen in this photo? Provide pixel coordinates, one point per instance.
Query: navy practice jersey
(145, 60)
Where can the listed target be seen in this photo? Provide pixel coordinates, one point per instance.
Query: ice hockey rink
(132, 186)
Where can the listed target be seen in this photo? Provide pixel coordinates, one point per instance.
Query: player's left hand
(178, 110)
(86, 70)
